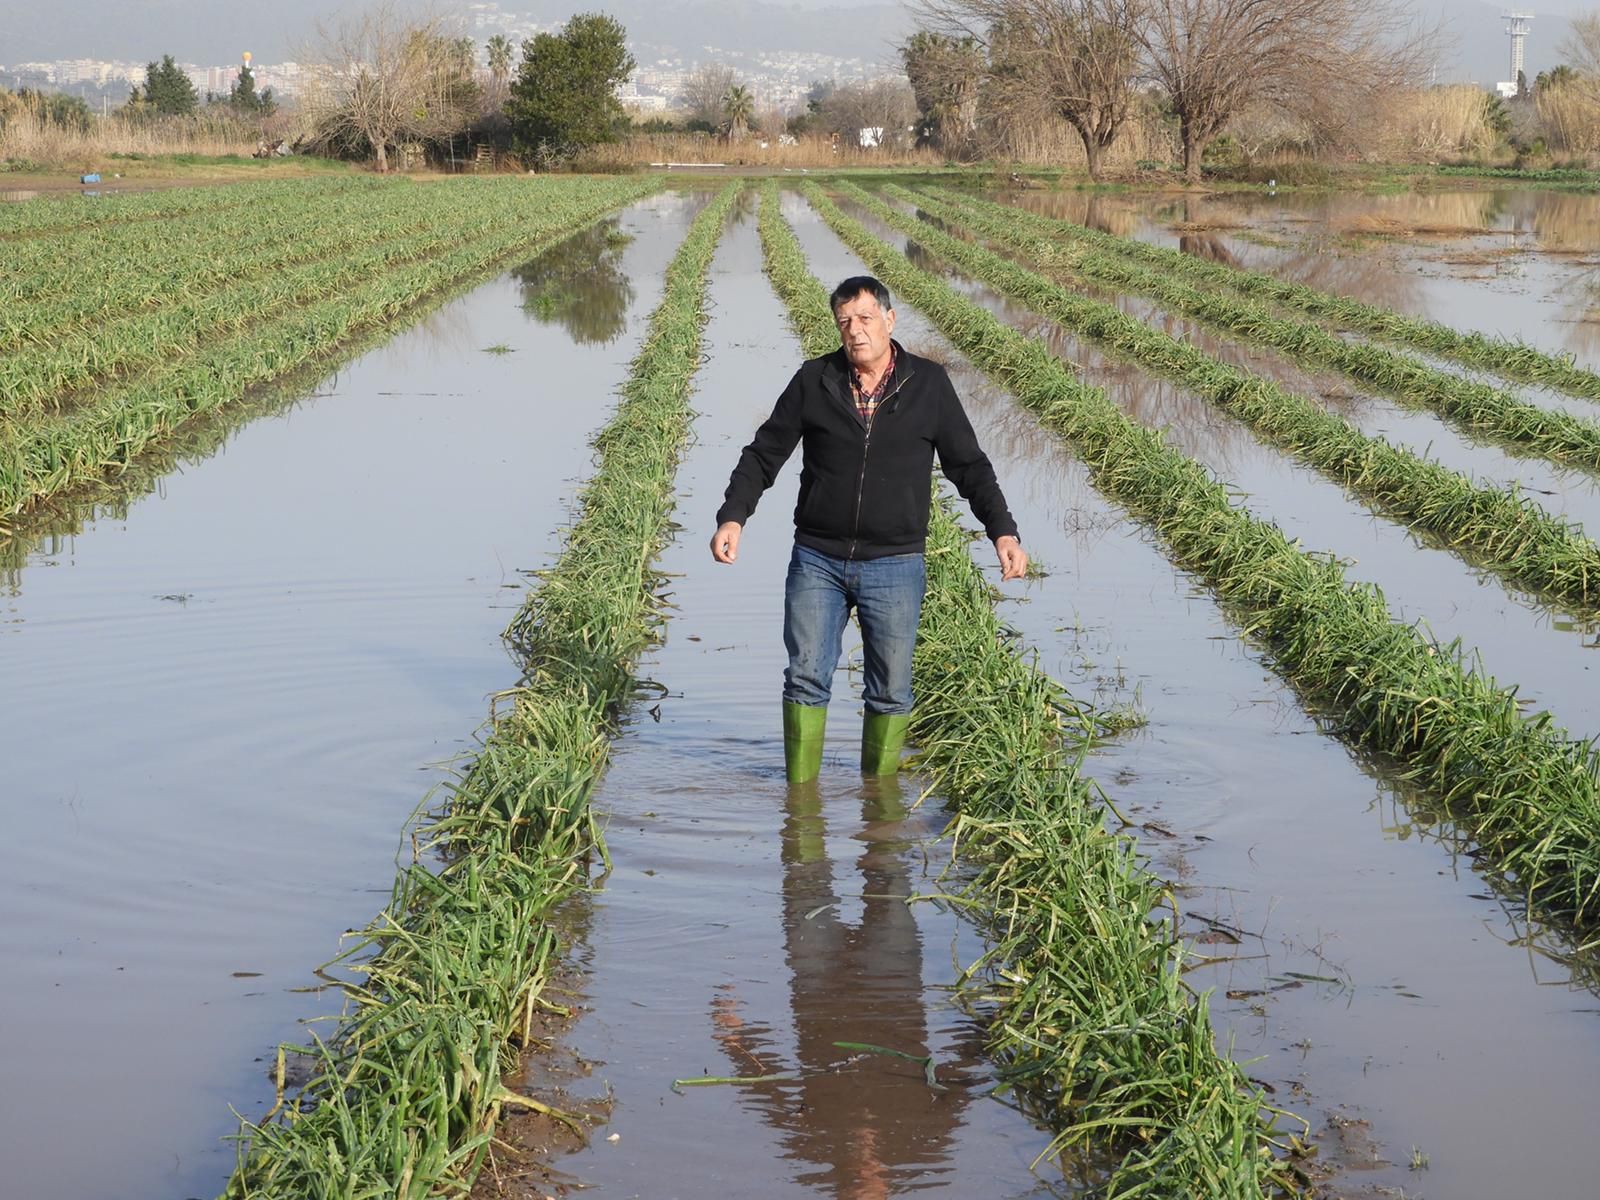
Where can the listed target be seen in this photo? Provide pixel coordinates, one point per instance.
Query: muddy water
(221, 708)
(1386, 994)
(748, 926)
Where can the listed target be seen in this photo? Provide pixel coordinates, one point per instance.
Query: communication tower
(1517, 29)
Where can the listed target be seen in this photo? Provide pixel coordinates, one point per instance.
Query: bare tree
(1581, 46)
(387, 78)
(878, 113)
(704, 90)
(1581, 49)
(1323, 60)
(1073, 59)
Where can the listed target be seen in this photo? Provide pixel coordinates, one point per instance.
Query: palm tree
(739, 106)
(499, 63)
(1555, 78)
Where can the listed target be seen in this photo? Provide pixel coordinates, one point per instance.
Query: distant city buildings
(113, 80)
(777, 79)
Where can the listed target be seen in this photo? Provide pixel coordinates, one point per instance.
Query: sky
(216, 31)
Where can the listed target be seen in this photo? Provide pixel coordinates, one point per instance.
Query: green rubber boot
(882, 735)
(803, 725)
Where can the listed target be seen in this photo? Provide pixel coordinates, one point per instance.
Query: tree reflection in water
(580, 285)
(859, 1127)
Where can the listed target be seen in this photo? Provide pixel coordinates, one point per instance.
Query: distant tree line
(392, 83)
(979, 66)
(1319, 75)
(169, 92)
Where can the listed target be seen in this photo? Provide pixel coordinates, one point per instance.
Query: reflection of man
(873, 1128)
(869, 418)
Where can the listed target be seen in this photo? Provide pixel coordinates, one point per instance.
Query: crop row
(1094, 1019)
(1482, 410)
(116, 425)
(1508, 359)
(37, 378)
(53, 258)
(175, 267)
(405, 1095)
(1523, 787)
(1499, 528)
(67, 216)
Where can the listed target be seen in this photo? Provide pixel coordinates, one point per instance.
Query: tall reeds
(1521, 785)
(405, 1094)
(1093, 1020)
(1426, 124)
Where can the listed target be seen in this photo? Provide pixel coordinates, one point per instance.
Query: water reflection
(1118, 215)
(859, 1125)
(1558, 956)
(50, 527)
(580, 285)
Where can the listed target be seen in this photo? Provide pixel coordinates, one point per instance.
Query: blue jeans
(818, 596)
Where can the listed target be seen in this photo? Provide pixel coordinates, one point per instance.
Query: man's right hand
(725, 541)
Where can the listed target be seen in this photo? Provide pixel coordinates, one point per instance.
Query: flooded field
(278, 650)
(225, 699)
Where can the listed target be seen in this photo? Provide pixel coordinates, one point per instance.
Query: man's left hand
(1013, 558)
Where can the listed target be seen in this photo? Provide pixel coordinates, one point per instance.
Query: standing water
(749, 927)
(221, 709)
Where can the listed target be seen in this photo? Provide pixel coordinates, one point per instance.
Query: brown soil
(529, 1142)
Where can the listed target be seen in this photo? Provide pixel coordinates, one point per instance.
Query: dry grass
(810, 153)
(26, 137)
(1478, 258)
(1374, 225)
(1570, 116)
(1427, 124)
(1221, 225)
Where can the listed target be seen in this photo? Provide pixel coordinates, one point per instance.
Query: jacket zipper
(866, 447)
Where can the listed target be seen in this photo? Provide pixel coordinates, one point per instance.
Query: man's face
(864, 330)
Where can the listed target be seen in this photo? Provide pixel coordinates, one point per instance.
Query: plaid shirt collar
(867, 402)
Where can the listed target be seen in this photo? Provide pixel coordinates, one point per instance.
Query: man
(869, 417)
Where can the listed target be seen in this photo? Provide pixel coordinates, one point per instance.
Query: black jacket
(865, 493)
